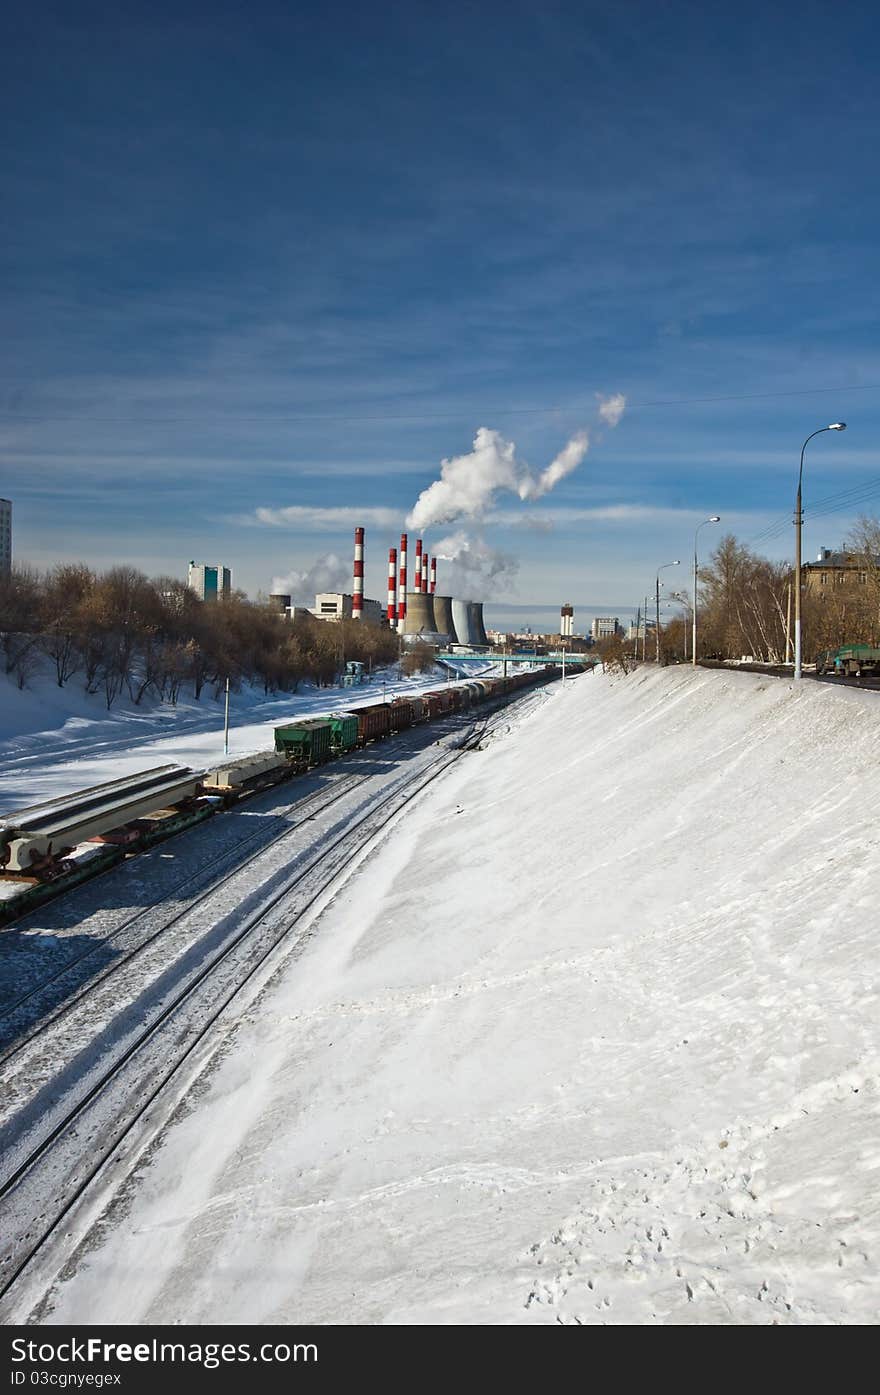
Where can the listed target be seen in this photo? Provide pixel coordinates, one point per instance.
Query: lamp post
(798, 524)
(676, 563)
(713, 518)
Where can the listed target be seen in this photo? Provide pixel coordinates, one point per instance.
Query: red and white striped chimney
(425, 562)
(357, 595)
(433, 575)
(417, 584)
(401, 587)
(392, 588)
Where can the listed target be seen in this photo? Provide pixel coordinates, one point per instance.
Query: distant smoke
(468, 483)
(473, 569)
(328, 573)
(611, 409)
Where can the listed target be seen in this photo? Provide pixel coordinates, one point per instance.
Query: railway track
(68, 1126)
(32, 1006)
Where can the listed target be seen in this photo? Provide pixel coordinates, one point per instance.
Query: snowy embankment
(593, 1039)
(54, 740)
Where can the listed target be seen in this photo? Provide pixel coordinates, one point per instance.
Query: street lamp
(713, 518)
(798, 524)
(676, 563)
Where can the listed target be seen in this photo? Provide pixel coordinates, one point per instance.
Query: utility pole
(226, 723)
(798, 525)
(676, 563)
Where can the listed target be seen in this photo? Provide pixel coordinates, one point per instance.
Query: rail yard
(112, 990)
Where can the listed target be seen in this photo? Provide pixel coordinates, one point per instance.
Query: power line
(822, 508)
(230, 418)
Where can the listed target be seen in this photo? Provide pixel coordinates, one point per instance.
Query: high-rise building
(5, 536)
(566, 620)
(209, 583)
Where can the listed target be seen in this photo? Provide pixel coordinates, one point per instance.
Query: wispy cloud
(305, 518)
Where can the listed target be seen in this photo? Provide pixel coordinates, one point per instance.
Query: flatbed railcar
(38, 855)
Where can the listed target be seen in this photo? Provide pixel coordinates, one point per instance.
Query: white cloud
(305, 518)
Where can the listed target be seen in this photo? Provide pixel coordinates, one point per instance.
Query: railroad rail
(34, 1009)
(69, 1124)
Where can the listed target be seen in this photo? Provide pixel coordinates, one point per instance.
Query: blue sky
(275, 256)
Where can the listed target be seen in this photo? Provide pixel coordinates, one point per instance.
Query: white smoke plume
(568, 459)
(471, 568)
(611, 409)
(328, 573)
(468, 483)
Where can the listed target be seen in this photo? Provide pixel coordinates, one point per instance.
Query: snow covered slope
(594, 1039)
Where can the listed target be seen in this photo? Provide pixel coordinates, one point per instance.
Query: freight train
(52, 846)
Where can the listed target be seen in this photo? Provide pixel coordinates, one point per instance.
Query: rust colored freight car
(374, 722)
(445, 698)
(402, 714)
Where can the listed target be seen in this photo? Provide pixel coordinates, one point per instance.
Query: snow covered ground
(54, 741)
(593, 1039)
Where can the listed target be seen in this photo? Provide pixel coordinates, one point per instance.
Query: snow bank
(594, 1039)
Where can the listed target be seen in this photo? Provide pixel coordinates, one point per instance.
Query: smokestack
(357, 595)
(392, 588)
(417, 586)
(433, 575)
(425, 561)
(401, 585)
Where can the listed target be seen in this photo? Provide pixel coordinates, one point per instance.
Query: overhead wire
(231, 418)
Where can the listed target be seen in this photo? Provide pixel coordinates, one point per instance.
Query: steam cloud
(611, 409)
(328, 573)
(468, 483)
(475, 568)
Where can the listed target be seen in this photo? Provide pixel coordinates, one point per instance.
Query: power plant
(417, 612)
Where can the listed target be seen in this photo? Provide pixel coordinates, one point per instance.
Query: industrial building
(209, 583)
(416, 612)
(339, 605)
(5, 537)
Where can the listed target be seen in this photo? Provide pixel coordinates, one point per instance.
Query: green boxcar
(343, 731)
(307, 741)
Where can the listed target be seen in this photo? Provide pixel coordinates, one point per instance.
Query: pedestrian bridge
(528, 660)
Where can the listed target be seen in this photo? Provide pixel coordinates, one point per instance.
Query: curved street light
(798, 524)
(676, 563)
(713, 518)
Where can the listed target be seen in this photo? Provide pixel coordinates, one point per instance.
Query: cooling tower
(476, 628)
(443, 617)
(462, 621)
(419, 618)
